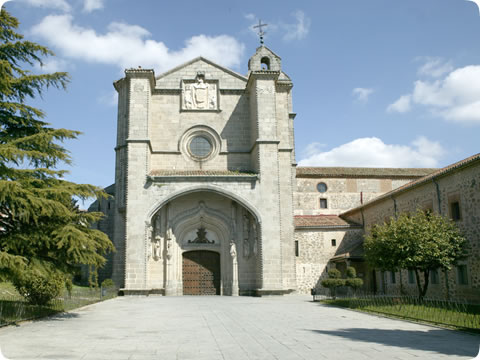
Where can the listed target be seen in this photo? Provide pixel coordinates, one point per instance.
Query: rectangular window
(462, 274)
(334, 242)
(296, 248)
(323, 203)
(411, 277)
(393, 278)
(455, 210)
(434, 277)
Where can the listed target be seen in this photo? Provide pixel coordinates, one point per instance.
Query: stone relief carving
(246, 236)
(149, 239)
(255, 238)
(168, 247)
(201, 237)
(199, 95)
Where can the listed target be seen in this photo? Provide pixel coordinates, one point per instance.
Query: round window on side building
(200, 147)
(322, 187)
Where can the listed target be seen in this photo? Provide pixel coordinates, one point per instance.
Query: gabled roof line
(231, 72)
(439, 173)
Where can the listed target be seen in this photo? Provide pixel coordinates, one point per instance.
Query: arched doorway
(203, 236)
(201, 273)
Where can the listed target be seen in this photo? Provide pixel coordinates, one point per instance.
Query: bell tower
(271, 117)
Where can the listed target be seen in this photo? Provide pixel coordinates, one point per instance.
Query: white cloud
(373, 152)
(403, 104)
(53, 65)
(456, 97)
(92, 5)
(289, 31)
(50, 4)
(362, 94)
(434, 67)
(128, 46)
(300, 29)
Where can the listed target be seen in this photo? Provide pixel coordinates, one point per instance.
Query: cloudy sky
(382, 83)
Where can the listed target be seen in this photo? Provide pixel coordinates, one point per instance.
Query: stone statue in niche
(168, 247)
(157, 248)
(233, 251)
(199, 95)
(246, 236)
(201, 237)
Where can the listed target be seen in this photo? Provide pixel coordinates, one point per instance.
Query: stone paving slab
(210, 328)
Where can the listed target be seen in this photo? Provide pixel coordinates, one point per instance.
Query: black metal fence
(14, 308)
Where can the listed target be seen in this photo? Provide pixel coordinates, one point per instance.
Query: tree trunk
(422, 290)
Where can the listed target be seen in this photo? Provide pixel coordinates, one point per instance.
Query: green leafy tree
(419, 242)
(41, 229)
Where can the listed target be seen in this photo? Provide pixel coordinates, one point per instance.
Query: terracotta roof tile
(319, 221)
(361, 172)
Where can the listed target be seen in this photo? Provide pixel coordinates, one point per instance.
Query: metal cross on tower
(260, 30)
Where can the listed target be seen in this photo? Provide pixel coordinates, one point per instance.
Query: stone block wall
(316, 250)
(343, 193)
(460, 184)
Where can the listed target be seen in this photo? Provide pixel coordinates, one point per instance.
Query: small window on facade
(434, 277)
(323, 203)
(334, 242)
(297, 250)
(411, 277)
(322, 187)
(108, 205)
(455, 210)
(462, 274)
(393, 278)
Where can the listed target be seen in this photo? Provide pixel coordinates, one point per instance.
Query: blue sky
(376, 82)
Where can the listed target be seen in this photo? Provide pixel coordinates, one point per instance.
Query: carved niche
(200, 94)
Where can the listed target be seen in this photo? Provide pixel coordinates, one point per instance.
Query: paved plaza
(209, 328)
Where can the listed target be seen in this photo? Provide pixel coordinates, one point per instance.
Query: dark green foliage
(334, 274)
(107, 283)
(354, 283)
(42, 228)
(39, 287)
(419, 242)
(351, 272)
(333, 282)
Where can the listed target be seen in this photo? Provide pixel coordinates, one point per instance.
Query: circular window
(322, 187)
(200, 147)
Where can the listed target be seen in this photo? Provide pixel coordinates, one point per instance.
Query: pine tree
(41, 230)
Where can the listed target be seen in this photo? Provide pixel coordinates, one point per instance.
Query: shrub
(107, 283)
(333, 281)
(354, 283)
(351, 272)
(39, 288)
(334, 274)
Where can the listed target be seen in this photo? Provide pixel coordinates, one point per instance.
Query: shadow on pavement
(436, 340)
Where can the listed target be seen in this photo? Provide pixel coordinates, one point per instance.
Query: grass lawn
(457, 315)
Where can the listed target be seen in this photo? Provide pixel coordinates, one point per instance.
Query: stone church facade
(207, 197)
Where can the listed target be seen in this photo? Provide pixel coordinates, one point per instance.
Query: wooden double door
(201, 273)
